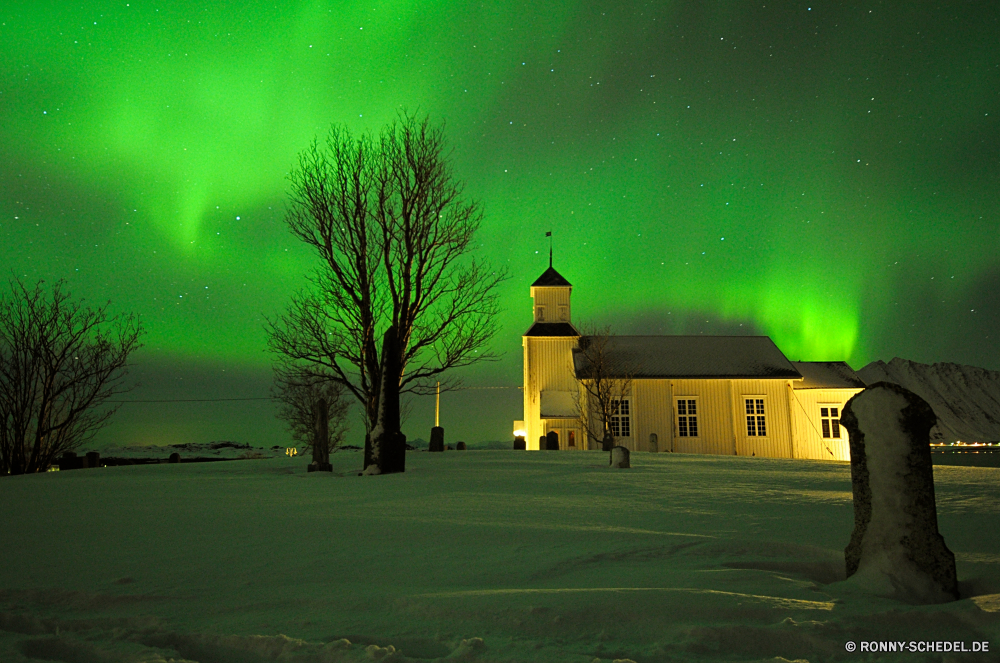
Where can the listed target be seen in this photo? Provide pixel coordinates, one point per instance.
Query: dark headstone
(437, 439)
(460, 446)
(520, 444)
(174, 458)
(387, 443)
(542, 445)
(895, 548)
(69, 461)
(552, 441)
(321, 434)
(93, 459)
(653, 443)
(447, 447)
(619, 457)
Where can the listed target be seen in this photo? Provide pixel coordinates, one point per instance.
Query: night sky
(825, 173)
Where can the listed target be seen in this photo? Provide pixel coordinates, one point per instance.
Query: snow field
(473, 556)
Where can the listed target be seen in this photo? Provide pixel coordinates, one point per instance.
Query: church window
(620, 421)
(756, 425)
(541, 314)
(564, 313)
(687, 417)
(829, 417)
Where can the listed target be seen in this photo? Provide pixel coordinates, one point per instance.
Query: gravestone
(895, 548)
(437, 439)
(552, 441)
(541, 443)
(653, 443)
(520, 444)
(321, 438)
(460, 446)
(69, 461)
(174, 458)
(620, 457)
(93, 459)
(387, 444)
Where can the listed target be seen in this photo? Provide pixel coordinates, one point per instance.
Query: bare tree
(301, 391)
(394, 235)
(60, 361)
(605, 381)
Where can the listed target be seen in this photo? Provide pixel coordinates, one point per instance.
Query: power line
(224, 400)
(194, 400)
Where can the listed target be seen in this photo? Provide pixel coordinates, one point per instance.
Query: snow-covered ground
(469, 556)
(221, 450)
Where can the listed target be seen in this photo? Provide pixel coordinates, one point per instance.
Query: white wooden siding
(552, 298)
(649, 402)
(715, 430)
(778, 441)
(547, 366)
(809, 441)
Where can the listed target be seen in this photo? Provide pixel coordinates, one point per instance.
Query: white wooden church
(689, 394)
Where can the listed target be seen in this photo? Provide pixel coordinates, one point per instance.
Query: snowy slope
(966, 399)
(468, 556)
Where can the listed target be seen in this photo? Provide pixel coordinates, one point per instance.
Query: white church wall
(807, 424)
(554, 301)
(548, 367)
(649, 401)
(714, 416)
(777, 442)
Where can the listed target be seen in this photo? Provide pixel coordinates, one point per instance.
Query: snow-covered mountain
(966, 399)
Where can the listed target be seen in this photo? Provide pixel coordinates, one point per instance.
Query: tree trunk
(387, 444)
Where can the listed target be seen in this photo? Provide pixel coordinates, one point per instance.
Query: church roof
(827, 375)
(550, 277)
(693, 357)
(552, 329)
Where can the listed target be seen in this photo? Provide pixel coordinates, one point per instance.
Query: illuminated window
(756, 426)
(620, 422)
(687, 417)
(829, 417)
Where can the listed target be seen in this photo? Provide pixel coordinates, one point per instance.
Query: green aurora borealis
(825, 173)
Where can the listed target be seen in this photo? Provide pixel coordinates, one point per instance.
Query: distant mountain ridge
(966, 399)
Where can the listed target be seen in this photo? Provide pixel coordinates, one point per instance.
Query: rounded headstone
(895, 548)
(620, 457)
(460, 446)
(552, 441)
(174, 458)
